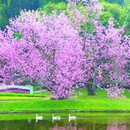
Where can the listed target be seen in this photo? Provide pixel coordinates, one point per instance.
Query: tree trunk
(91, 86)
(90, 89)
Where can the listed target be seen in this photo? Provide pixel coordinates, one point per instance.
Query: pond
(80, 123)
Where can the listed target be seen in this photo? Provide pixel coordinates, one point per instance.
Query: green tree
(52, 6)
(117, 12)
(44, 2)
(127, 27)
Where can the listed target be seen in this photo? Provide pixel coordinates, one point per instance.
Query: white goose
(38, 118)
(72, 118)
(55, 117)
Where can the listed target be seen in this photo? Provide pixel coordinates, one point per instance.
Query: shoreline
(65, 111)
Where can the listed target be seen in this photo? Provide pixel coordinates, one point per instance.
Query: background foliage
(118, 9)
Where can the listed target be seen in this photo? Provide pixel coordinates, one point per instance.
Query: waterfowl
(72, 117)
(38, 118)
(55, 117)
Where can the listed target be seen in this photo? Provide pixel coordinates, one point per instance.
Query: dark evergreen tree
(11, 8)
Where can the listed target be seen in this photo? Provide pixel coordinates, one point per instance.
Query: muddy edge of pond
(67, 111)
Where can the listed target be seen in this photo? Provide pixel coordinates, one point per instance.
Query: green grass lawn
(41, 102)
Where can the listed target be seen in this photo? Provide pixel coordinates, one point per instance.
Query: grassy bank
(41, 102)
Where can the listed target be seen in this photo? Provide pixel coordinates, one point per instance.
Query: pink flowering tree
(106, 49)
(45, 50)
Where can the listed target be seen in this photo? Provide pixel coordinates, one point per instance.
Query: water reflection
(95, 123)
(117, 127)
(91, 127)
